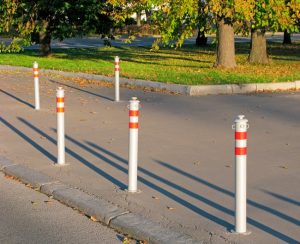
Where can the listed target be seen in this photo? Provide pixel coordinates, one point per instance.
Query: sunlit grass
(188, 65)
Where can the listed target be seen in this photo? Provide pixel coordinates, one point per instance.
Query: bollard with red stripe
(36, 85)
(241, 125)
(60, 110)
(133, 144)
(117, 80)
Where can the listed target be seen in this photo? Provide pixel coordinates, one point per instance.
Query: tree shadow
(29, 140)
(76, 156)
(18, 99)
(283, 198)
(79, 89)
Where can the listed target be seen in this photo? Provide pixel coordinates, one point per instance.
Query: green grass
(188, 65)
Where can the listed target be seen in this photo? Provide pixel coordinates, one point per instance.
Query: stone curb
(189, 90)
(115, 217)
(139, 227)
(28, 176)
(4, 162)
(90, 205)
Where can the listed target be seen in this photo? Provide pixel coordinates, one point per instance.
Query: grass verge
(188, 65)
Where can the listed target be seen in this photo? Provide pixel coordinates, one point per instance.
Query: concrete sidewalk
(186, 170)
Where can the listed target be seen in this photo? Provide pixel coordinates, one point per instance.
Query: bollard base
(61, 165)
(242, 233)
(133, 192)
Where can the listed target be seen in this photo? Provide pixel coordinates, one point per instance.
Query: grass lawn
(188, 65)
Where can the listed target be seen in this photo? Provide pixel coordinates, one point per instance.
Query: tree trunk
(45, 41)
(201, 39)
(287, 38)
(258, 52)
(138, 18)
(225, 46)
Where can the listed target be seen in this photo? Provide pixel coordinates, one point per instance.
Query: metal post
(36, 85)
(60, 110)
(241, 126)
(117, 82)
(133, 144)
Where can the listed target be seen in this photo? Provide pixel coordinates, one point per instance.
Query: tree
(227, 13)
(269, 15)
(43, 20)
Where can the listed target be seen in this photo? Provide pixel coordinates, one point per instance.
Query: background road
(27, 216)
(89, 42)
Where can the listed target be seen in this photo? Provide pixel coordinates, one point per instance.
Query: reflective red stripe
(241, 151)
(60, 110)
(117, 69)
(133, 125)
(133, 113)
(36, 76)
(240, 135)
(116, 63)
(60, 99)
(35, 69)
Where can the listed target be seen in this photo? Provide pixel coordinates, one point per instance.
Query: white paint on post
(117, 79)
(241, 125)
(133, 144)
(60, 110)
(36, 85)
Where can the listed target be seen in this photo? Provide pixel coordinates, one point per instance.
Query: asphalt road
(89, 42)
(27, 216)
(186, 153)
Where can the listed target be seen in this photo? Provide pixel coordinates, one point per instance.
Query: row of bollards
(240, 126)
(36, 82)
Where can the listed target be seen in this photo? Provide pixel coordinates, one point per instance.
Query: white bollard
(133, 144)
(60, 110)
(36, 85)
(117, 80)
(241, 126)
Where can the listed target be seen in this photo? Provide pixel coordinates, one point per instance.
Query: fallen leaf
(34, 203)
(154, 197)
(283, 167)
(48, 202)
(170, 208)
(93, 219)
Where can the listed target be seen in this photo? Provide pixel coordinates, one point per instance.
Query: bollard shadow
(146, 182)
(250, 202)
(283, 198)
(16, 98)
(194, 195)
(29, 140)
(75, 155)
(82, 90)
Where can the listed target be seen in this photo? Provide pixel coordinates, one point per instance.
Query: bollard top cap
(117, 58)
(35, 64)
(241, 119)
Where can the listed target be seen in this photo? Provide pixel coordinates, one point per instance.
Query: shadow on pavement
(29, 140)
(82, 90)
(250, 202)
(213, 218)
(76, 156)
(283, 198)
(179, 200)
(18, 99)
(231, 194)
